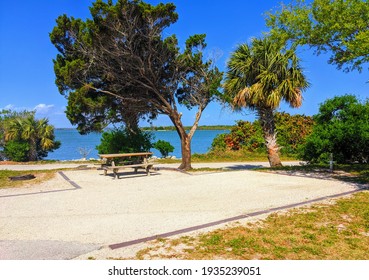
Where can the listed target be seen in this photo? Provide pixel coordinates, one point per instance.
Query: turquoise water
(72, 142)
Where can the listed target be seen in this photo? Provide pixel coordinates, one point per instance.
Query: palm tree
(38, 133)
(259, 77)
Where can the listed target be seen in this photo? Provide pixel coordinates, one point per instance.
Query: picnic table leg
(148, 170)
(116, 176)
(115, 171)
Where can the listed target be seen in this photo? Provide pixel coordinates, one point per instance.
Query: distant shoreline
(172, 128)
(72, 142)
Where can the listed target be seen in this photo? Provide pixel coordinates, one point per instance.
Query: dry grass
(332, 231)
(41, 176)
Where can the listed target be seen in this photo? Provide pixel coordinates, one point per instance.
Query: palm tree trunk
(266, 118)
(33, 149)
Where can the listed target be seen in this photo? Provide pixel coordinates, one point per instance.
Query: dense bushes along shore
(25, 138)
(340, 129)
(292, 132)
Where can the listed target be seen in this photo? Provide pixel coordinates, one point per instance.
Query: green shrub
(342, 128)
(16, 150)
(124, 141)
(292, 132)
(20, 128)
(219, 143)
(163, 147)
(243, 136)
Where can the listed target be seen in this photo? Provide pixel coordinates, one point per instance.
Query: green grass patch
(168, 160)
(207, 169)
(338, 231)
(227, 156)
(234, 156)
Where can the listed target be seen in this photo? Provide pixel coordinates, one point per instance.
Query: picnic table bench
(141, 161)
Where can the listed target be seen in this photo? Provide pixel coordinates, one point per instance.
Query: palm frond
(263, 74)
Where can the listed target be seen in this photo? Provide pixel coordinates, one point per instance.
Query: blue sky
(26, 68)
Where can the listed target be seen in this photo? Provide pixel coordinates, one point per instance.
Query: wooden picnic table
(142, 162)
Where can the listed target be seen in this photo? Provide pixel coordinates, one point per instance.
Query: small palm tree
(259, 77)
(35, 132)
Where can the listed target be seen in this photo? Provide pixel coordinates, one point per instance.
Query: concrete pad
(43, 249)
(108, 211)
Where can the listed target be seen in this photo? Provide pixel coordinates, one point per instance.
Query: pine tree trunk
(266, 117)
(131, 120)
(185, 141)
(186, 153)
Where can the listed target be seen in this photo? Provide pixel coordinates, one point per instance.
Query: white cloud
(43, 108)
(12, 107)
(9, 107)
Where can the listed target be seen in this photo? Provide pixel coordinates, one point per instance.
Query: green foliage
(33, 138)
(124, 141)
(340, 27)
(43, 151)
(229, 156)
(98, 72)
(117, 64)
(342, 128)
(219, 143)
(260, 76)
(263, 74)
(201, 79)
(292, 132)
(201, 127)
(17, 150)
(5, 117)
(244, 135)
(163, 147)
